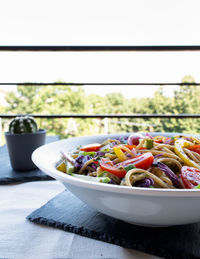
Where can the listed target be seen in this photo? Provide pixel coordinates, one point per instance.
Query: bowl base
(147, 225)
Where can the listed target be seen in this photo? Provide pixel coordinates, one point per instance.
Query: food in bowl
(136, 205)
(137, 161)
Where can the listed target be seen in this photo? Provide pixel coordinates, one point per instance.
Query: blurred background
(100, 23)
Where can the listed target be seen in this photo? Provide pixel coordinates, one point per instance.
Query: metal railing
(102, 116)
(102, 49)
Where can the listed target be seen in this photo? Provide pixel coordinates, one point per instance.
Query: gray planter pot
(21, 147)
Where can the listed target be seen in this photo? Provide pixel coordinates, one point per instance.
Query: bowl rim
(53, 172)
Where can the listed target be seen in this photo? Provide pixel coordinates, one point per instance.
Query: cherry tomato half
(190, 176)
(143, 161)
(130, 146)
(91, 147)
(109, 167)
(195, 148)
(160, 139)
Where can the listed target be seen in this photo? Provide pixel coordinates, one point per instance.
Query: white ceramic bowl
(143, 206)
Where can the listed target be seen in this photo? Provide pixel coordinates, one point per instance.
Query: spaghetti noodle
(155, 162)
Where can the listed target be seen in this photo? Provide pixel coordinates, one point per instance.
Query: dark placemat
(68, 213)
(8, 175)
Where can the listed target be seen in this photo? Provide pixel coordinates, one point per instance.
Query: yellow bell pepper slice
(120, 154)
(179, 145)
(62, 167)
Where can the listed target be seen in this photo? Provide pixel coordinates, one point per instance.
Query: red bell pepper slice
(91, 147)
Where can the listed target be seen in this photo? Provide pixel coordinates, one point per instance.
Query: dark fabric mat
(8, 175)
(68, 213)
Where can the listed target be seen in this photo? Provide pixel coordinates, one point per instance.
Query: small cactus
(23, 124)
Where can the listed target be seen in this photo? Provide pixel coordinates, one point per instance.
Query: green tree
(187, 101)
(73, 100)
(48, 100)
(116, 103)
(160, 104)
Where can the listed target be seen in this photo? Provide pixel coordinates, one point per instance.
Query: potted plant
(22, 139)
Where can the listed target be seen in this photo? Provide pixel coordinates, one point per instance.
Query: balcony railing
(102, 49)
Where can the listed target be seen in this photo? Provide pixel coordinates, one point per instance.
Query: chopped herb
(83, 153)
(105, 180)
(148, 143)
(129, 167)
(92, 179)
(98, 158)
(105, 150)
(70, 170)
(102, 174)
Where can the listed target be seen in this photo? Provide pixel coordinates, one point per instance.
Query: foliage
(47, 100)
(73, 100)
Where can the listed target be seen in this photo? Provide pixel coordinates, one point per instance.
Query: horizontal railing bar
(82, 84)
(102, 48)
(82, 116)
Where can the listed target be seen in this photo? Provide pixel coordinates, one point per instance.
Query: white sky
(103, 22)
